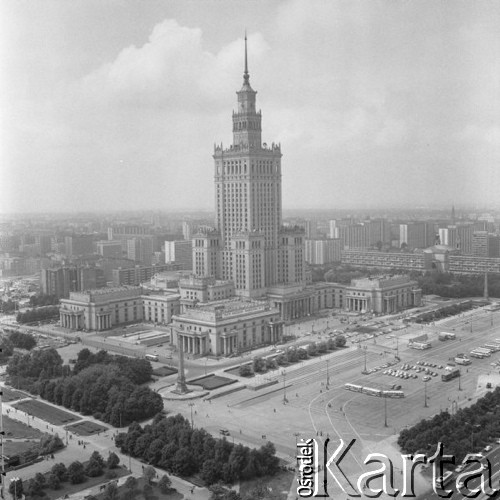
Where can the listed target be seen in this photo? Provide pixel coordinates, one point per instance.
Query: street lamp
(365, 348)
(15, 480)
(385, 412)
(327, 374)
(284, 386)
(459, 378)
(192, 423)
(296, 434)
(425, 394)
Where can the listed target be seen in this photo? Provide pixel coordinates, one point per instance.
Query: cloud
(171, 71)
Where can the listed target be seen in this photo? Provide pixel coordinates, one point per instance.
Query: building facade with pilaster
(227, 327)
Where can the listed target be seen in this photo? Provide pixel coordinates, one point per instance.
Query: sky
(117, 104)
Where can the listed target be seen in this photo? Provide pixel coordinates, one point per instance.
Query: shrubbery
(469, 430)
(171, 443)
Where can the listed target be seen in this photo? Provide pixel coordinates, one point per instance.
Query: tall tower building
(248, 199)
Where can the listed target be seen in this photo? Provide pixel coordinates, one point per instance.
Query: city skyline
(389, 104)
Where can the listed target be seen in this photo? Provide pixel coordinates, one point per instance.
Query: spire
(246, 76)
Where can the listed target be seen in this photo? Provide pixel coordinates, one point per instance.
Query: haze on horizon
(117, 106)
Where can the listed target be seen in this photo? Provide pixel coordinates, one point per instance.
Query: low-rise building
(106, 308)
(382, 294)
(227, 326)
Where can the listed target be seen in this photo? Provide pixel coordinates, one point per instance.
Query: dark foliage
(22, 340)
(469, 430)
(38, 314)
(43, 300)
(171, 443)
(103, 385)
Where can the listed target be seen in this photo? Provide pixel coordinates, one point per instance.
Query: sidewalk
(102, 443)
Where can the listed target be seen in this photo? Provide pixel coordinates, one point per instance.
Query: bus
(443, 480)
(462, 360)
(479, 355)
(152, 357)
(394, 394)
(493, 347)
(445, 377)
(420, 345)
(372, 392)
(486, 352)
(353, 387)
(447, 336)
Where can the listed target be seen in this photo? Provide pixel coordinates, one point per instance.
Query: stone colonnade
(358, 304)
(72, 320)
(295, 308)
(192, 344)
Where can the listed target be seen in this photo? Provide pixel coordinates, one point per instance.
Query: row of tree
(172, 444)
(105, 386)
(75, 473)
(138, 371)
(292, 355)
(38, 314)
(467, 431)
(22, 340)
(444, 312)
(43, 300)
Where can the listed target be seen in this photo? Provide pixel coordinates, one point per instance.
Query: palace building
(249, 245)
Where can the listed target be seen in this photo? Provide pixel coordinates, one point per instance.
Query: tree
(340, 341)
(271, 364)
(76, 472)
(16, 487)
(111, 492)
(53, 481)
(147, 491)
(95, 465)
(149, 474)
(301, 354)
(322, 347)
(281, 359)
(259, 364)
(165, 484)
(60, 471)
(113, 460)
(312, 350)
(131, 483)
(245, 371)
(40, 480)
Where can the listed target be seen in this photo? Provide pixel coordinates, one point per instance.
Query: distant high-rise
(140, 250)
(180, 252)
(80, 244)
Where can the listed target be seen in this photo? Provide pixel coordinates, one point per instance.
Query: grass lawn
(9, 395)
(212, 382)
(12, 448)
(236, 369)
(19, 430)
(164, 371)
(278, 485)
(86, 428)
(46, 412)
